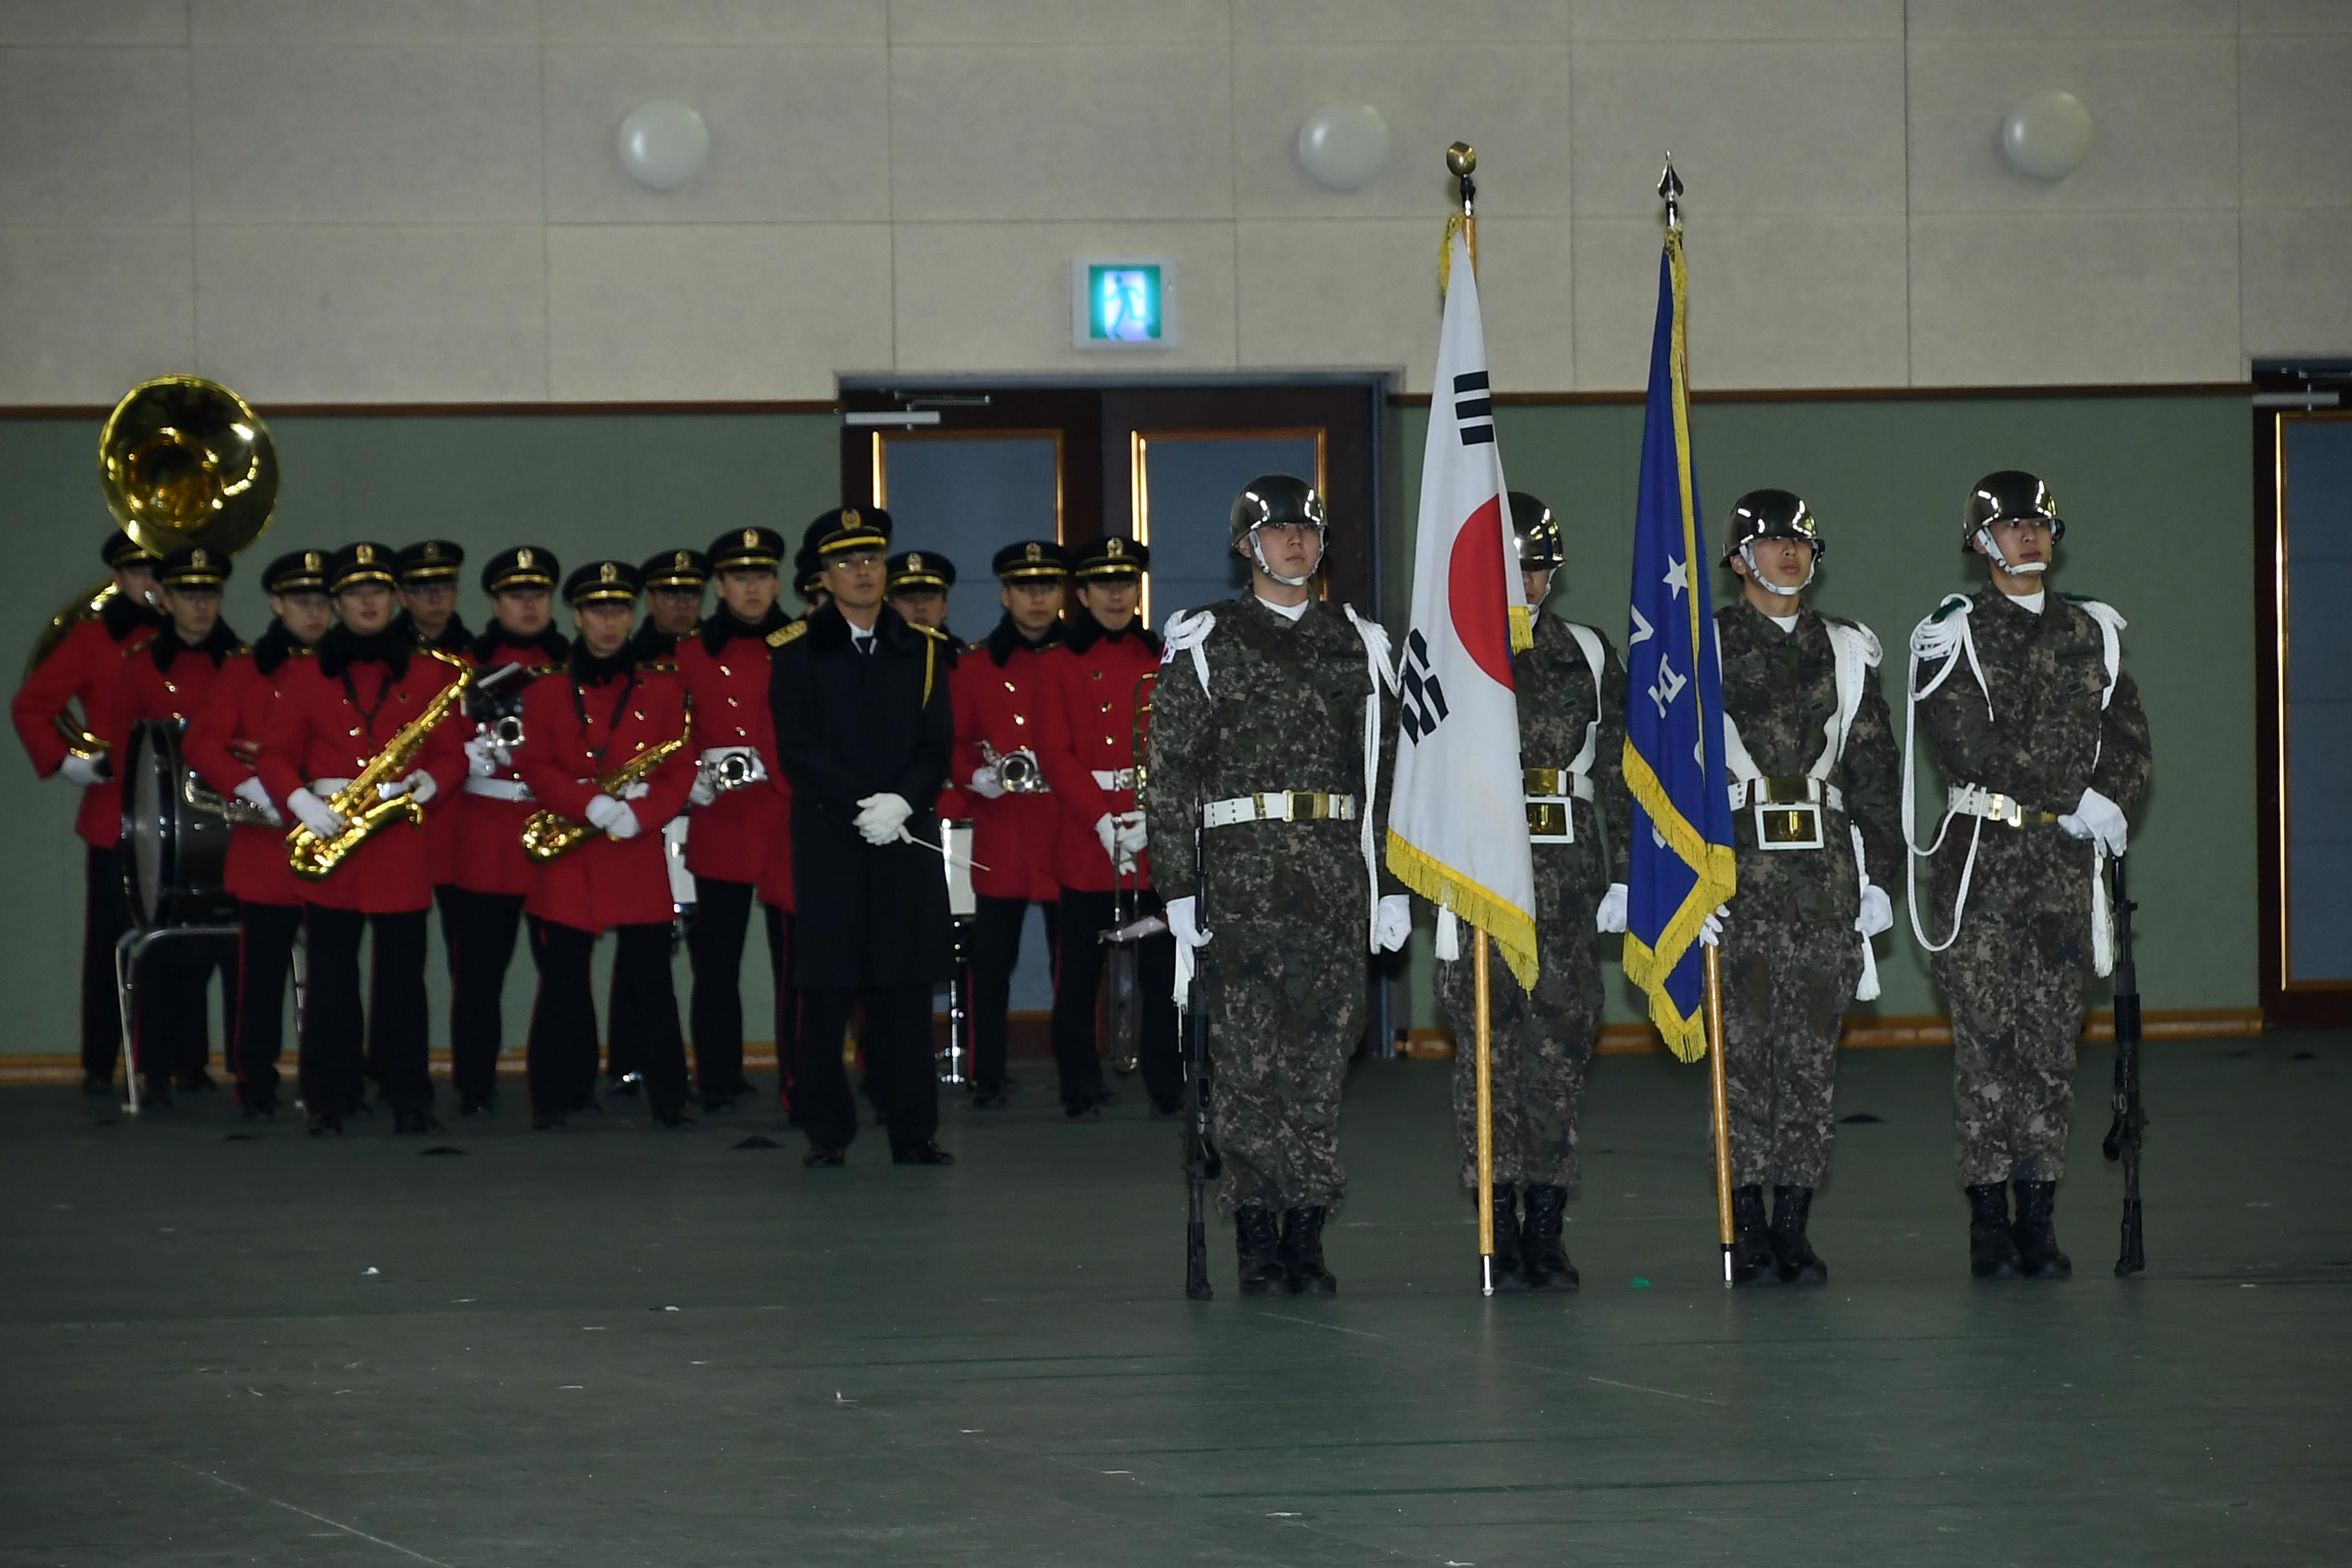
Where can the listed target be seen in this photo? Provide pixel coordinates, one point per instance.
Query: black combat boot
(1302, 1252)
(1541, 1252)
(1793, 1256)
(1257, 1247)
(1751, 1238)
(2037, 1243)
(1510, 1268)
(1992, 1254)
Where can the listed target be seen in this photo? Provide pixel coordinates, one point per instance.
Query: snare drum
(174, 851)
(955, 854)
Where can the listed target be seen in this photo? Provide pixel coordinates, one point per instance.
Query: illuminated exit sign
(1123, 304)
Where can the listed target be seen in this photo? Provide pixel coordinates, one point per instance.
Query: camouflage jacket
(1283, 710)
(1780, 689)
(2044, 741)
(1557, 703)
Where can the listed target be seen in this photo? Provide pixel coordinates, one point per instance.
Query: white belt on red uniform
(1114, 778)
(513, 790)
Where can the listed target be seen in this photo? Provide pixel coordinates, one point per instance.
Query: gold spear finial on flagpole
(1461, 161)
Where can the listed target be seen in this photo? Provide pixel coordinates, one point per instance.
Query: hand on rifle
(1610, 916)
(2096, 816)
(1392, 922)
(1878, 911)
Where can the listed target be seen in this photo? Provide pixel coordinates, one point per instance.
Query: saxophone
(359, 803)
(546, 836)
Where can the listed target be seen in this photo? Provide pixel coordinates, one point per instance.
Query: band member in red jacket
(919, 581)
(1015, 821)
(221, 743)
(171, 680)
(335, 714)
(86, 668)
(739, 814)
(590, 737)
(1088, 749)
(426, 576)
(482, 907)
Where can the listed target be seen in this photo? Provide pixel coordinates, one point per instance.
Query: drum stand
(955, 1061)
(128, 952)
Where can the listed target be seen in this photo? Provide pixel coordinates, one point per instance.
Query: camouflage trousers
(1787, 983)
(1287, 1011)
(1539, 1046)
(2016, 988)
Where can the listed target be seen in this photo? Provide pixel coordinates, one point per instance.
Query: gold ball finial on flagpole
(1461, 160)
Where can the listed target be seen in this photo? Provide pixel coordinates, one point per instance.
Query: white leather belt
(1119, 778)
(1786, 792)
(1975, 800)
(1788, 810)
(1280, 805)
(513, 790)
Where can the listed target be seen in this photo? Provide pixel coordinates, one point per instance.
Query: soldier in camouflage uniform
(1815, 786)
(1259, 728)
(1571, 700)
(2045, 756)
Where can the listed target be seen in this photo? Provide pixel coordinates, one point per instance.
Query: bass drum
(174, 851)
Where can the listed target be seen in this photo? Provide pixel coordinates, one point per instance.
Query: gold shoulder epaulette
(242, 650)
(932, 632)
(791, 631)
(539, 670)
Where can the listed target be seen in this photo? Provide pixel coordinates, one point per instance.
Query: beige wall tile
(1775, 301)
(2071, 18)
(2296, 122)
(1510, 101)
(280, 24)
(796, 135)
(1059, 21)
(1599, 21)
(92, 22)
(87, 313)
(780, 22)
(1362, 294)
(2297, 288)
(715, 311)
(373, 312)
(2294, 17)
(2050, 298)
(1078, 132)
(373, 135)
(996, 297)
(94, 135)
(2165, 114)
(1814, 127)
(1399, 21)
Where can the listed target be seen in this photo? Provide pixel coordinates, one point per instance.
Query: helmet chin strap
(2026, 569)
(1756, 574)
(1257, 554)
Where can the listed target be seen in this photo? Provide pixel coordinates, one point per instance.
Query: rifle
(2123, 1139)
(1201, 1164)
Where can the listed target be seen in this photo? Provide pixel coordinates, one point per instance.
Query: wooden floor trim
(1917, 1030)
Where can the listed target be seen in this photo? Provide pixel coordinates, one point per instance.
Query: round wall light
(664, 144)
(2047, 135)
(1344, 145)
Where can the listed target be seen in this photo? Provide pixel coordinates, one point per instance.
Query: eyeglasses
(852, 561)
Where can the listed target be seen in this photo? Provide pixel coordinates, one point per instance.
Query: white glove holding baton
(882, 818)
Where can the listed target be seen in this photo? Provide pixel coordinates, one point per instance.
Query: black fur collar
(1087, 631)
(1006, 640)
(342, 648)
(219, 644)
(725, 626)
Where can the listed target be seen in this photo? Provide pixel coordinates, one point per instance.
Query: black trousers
(338, 1033)
(1078, 986)
(897, 1041)
(265, 961)
(560, 1055)
(106, 915)
(714, 940)
(480, 929)
(171, 1034)
(995, 950)
(788, 1001)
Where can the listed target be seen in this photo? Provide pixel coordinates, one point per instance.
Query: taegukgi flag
(1457, 818)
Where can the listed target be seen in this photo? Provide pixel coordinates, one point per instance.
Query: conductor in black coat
(863, 729)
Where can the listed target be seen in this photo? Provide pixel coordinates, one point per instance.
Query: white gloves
(882, 818)
(2096, 816)
(482, 758)
(1107, 834)
(315, 814)
(1392, 922)
(1710, 934)
(84, 771)
(985, 783)
(1189, 936)
(418, 786)
(1878, 911)
(252, 792)
(1610, 914)
(703, 793)
(617, 819)
(1131, 837)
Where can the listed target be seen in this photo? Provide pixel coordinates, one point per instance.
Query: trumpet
(546, 836)
(1122, 1025)
(360, 803)
(1016, 770)
(729, 768)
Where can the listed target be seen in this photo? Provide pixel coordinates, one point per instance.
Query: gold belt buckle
(1542, 782)
(1549, 821)
(1305, 805)
(1787, 816)
(2005, 810)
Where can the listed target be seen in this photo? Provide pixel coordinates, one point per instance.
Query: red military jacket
(335, 712)
(579, 726)
(86, 668)
(998, 685)
(486, 819)
(224, 734)
(1087, 735)
(736, 836)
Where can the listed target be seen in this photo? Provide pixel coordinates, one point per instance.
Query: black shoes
(322, 1122)
(1166, 1105)
(194, 1081)
(626, 1086)
(154, 1092)
(1257, 1247)
(95, 1088)
(1302, 1253)
(2038, 1256)
(473, 1105)
(1751, 1238)
(672, 1119)
(1508, 1270)
(923, 1154)
(824, 1157)
(414, 1124)
(1793, 1257)
(988, 1098)
(1541, 1255)
(724, 1099)
(1992, 1253)
(261, 1108)
(545, 1121)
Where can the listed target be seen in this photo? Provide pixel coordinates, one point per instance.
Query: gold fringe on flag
(1513, 928)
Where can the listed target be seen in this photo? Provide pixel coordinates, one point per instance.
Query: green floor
(609, 1346)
